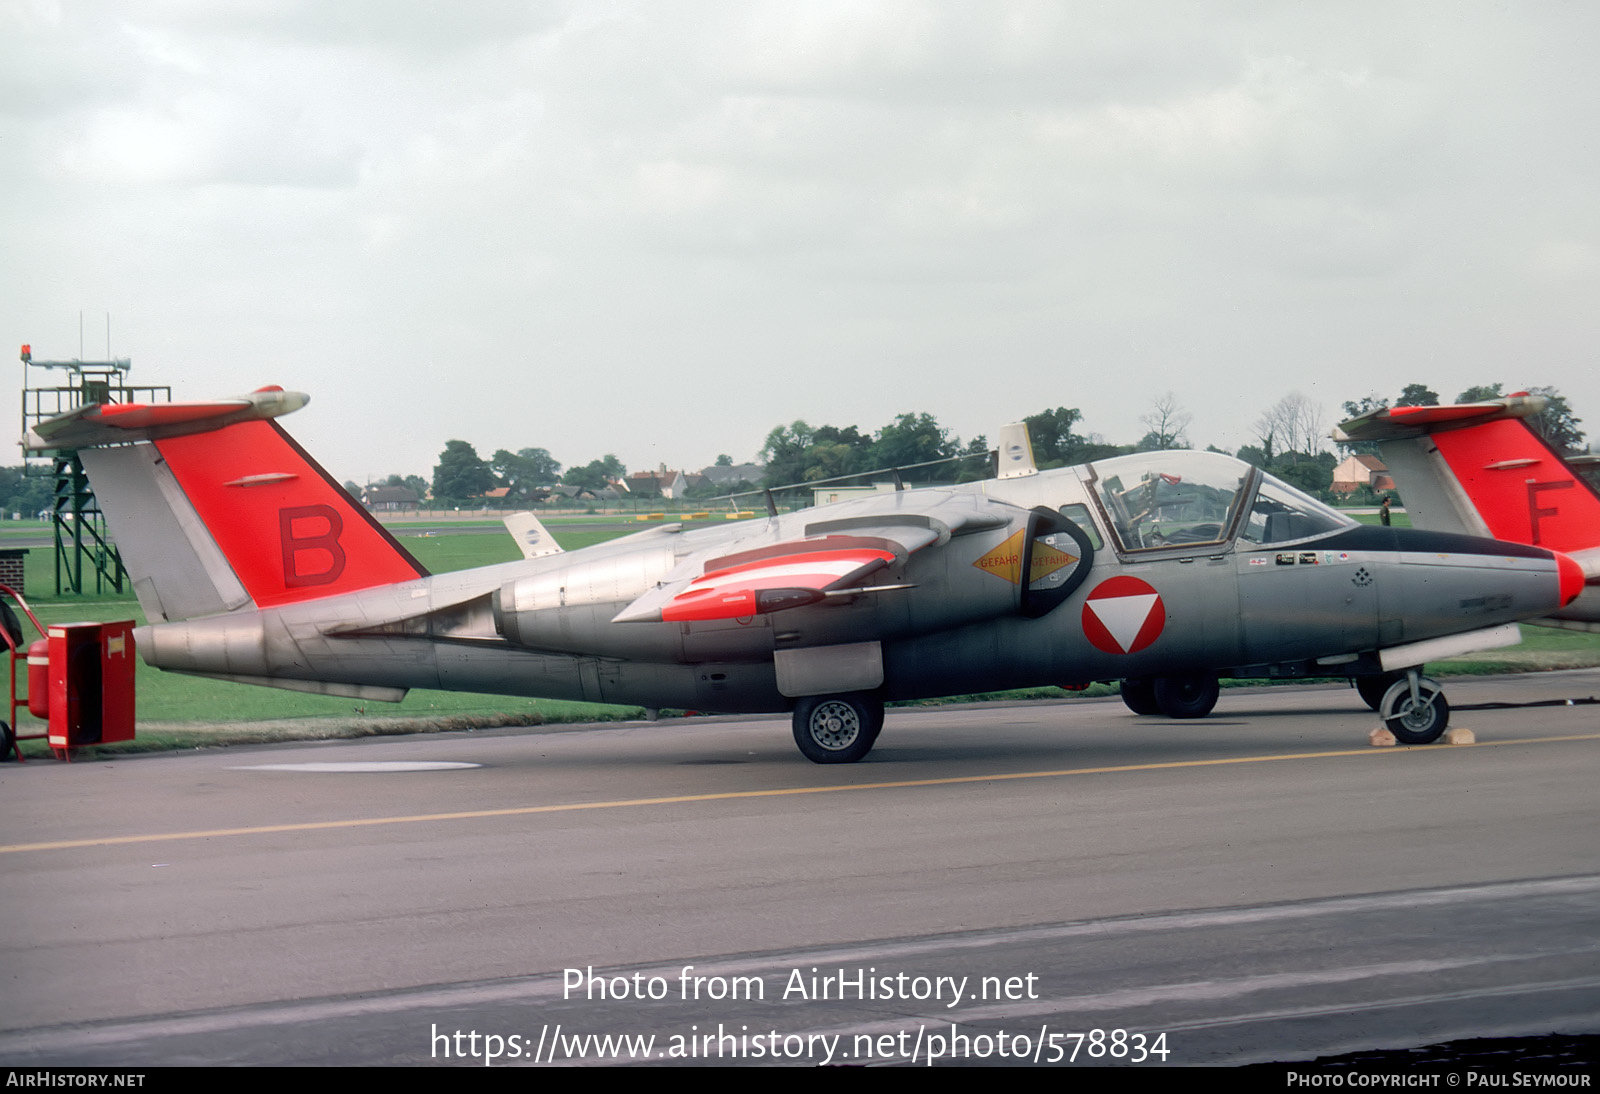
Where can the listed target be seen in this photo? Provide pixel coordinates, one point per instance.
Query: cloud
(684, 222)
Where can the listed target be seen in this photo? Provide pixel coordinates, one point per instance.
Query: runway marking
(732, 795)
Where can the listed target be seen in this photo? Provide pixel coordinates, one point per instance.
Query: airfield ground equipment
(80, 681)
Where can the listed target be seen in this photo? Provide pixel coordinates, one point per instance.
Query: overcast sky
(660, 229)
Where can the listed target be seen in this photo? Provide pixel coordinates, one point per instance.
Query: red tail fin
(288, 530)
(213, 506)
(1521, 487)
(1483, 461)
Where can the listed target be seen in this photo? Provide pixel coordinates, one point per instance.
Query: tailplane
(215, 508)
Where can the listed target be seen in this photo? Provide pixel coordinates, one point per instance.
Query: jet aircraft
(1164, 570)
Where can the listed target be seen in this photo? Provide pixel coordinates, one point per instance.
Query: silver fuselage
(1248, 576)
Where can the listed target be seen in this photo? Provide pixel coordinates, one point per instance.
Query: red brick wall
(11, 569)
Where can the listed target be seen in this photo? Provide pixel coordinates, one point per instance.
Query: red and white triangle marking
(1123, 615)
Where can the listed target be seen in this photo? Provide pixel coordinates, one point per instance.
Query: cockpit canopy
(1160, 500)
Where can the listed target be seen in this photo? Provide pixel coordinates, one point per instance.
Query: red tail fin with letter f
(1479, 468)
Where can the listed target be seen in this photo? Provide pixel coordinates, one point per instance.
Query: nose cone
(1571, 578)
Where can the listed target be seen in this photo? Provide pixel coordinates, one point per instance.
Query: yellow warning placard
(1046, 560)
(1006, 560)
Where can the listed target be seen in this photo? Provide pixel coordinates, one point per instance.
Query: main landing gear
(1191, 695)
(837, 729)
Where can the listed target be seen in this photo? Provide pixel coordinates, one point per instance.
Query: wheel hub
(1416, 716)
(835, 726)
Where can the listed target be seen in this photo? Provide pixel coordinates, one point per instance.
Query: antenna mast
(79, 526)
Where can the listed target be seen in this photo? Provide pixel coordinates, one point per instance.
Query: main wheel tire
(1189, 696)
(8, 742)
(1372, 689)
(1139, 696)
(1411, 721)
(837, 729)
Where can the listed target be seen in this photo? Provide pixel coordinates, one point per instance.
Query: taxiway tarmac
(1258, 885)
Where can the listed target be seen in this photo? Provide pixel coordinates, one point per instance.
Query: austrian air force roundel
(1123, 615)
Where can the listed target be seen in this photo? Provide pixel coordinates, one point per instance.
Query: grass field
(173, 707)
(1397, 519)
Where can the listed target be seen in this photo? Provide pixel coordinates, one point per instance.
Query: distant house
(581, 493)
(1359, 471)
(678, 488)
(654, 484)
(390, 499)
(729, 478)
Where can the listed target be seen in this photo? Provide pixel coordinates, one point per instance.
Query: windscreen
(1155, 500)
(1282, 514)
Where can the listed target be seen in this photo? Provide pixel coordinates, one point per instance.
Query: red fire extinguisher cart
(80, 681)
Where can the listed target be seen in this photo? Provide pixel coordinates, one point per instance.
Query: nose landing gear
(1414, 709)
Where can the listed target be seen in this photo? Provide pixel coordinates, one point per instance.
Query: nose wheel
(1414, 710)
(837, 729)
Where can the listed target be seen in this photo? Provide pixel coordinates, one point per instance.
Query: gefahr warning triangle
(1123, 615)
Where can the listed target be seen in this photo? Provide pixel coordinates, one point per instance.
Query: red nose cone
(1571, 578)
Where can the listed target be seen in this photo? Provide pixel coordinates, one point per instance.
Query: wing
(804, 575)
(831, 558)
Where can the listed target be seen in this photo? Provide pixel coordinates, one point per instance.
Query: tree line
(1290, 441)
(462, 474)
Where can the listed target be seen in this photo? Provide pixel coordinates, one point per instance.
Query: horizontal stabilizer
(121, 423)
(1399, 422)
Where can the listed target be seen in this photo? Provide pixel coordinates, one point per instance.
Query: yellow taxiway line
(631, 803)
